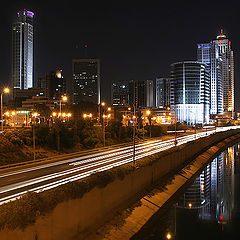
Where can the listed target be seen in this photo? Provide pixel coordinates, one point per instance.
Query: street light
(148, 112)
(64, 99)
(5, 90)
(103, 129)
(169, 236)
(175, 115)
(35, 114)
(54, 114)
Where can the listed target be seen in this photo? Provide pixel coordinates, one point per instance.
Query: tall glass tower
(218, 55)
(22, 51)
(226, 52)
(208, 53)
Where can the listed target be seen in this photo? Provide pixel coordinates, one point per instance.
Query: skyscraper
(141, 93)
(208, 53)
(226, 53)
(190, 85)
(86, 80)
(22, 51)
(218, 55)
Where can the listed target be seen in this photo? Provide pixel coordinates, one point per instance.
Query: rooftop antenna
(86, 50)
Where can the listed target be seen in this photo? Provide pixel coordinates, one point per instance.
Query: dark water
(209, 208)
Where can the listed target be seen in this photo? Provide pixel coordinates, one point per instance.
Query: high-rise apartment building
(86, 80)
(218, 55)
(141, 93)
(22, 51)
(163, 92)
(190, 85)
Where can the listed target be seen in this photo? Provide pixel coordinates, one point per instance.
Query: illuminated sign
(30, 14)
(26, 13)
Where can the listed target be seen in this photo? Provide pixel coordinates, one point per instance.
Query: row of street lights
(102, 117)
(60, 114)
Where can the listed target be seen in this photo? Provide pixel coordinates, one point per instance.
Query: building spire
(221, 35)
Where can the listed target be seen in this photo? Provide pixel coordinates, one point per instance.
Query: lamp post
(134, 134)
(175, 116)
(34, 137)
(148, 112)
(64, 99)
(102, 104)
(103, 129)
(5, 90)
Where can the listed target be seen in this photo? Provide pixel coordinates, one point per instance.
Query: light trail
(90, 164)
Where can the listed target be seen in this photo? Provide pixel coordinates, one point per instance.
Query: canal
(208, 209)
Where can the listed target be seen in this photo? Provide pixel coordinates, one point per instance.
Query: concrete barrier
(75, 219)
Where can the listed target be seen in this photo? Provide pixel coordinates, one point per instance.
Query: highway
(14, 182)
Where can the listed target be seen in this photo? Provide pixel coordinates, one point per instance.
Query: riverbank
(130, 223)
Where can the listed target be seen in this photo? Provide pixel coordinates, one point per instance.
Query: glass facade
(218, 55)
(208, 53)
(22, 51)
(141, 93)
(190, 85)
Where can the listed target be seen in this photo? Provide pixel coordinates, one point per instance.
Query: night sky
(137, 40)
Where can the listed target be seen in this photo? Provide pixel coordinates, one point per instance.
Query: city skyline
(132, 42)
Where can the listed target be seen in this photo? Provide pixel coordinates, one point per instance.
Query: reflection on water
(209, 208)
(212, 192)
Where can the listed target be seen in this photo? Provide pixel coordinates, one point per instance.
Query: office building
(119, 94)
(86, 80)
(190, 85)
(226, 53)
(218, 55)
(163, 90)
(141, 93)
(22, 51)
(208, 53)
(53, 85)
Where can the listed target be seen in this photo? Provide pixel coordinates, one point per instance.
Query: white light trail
(109, 159)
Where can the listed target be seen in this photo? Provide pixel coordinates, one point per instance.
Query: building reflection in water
(212, 193)
(206, 208)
